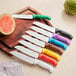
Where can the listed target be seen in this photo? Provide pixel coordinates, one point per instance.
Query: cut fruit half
(7, 24)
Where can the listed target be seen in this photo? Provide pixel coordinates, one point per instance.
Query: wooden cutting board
(7, 43)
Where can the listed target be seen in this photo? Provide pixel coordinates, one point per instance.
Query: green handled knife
(33, 16)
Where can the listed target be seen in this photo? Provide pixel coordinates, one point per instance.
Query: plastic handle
(54, 48)
(47, 59)
(41, 16)
(51, 54)
(57, 43)
(44, 65)
(65, 34)
(61, 38)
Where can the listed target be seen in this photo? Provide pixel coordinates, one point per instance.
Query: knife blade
(32, 61)
(22, 57)
(33, 16)
(52, 29)
(36, 55)
(40, 50)
(43, 44)
(34, 40)
(49, 34)
(46, 39)
(44, 26)
(26, 51)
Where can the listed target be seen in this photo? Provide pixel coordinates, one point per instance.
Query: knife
(33, 16)
(36, 55)
(53, 35)
(43, 44)
(32, 61)
(46, 39)
(52, 29)
(40, 50)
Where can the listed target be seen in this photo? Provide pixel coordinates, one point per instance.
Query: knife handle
(51, 54)
(61, 38)
(44, 65)
(54, 48)
(57, 43)
(47, 59)
(41, 16)
(63, 33)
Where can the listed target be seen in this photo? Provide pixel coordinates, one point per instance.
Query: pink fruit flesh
(7, 24)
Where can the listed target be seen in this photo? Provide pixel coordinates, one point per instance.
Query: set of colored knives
(42, 44)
